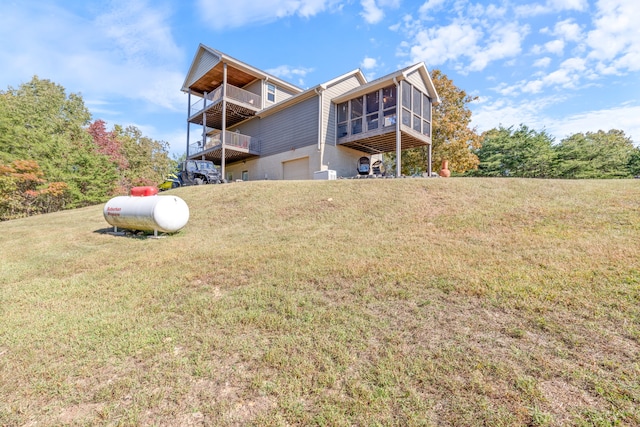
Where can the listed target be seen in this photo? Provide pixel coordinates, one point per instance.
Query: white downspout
(319, 92)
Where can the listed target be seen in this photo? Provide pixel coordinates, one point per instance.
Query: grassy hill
(357, 302)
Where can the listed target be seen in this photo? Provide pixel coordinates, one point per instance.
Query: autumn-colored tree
(24, 191)
(453, 139)
(110, 145)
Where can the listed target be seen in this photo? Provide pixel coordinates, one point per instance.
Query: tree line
(515, 152)
(54, 156)
(527, 153)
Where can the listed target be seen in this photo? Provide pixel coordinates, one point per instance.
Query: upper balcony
(241, 105)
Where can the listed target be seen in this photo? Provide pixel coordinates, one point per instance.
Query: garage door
(296, 169)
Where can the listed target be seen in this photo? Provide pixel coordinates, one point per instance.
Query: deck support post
(398, 133)
(188, 117)
(204, 120)
(224, 120)
(429, 161)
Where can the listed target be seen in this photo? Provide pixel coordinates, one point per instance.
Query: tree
(39, 122)
(108, 143)
(24, 191)
(452, 137)
(148, 159)
(634, 163)
(595, 155)
(522, 152)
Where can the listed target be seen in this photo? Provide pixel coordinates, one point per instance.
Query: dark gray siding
(294, 127)
(279, 132)
(329, 108)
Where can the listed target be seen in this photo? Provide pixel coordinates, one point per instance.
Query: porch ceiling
(235, 114)
(213, 78)
(385, 142)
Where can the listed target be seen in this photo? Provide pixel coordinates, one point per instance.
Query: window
(373, 102)
(373, 107)
(389, 97)
(406, 95)
(245, 175)
(372, 121)
(426, 107)
(406, 117)
(426, 128)
(390, 117)
(343, 114)
(417, 123)
(356, 108)
(389, 102)
(271, 92)
(356, 115)
(417, 101)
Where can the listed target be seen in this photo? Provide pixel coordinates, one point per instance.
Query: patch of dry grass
(373, 302)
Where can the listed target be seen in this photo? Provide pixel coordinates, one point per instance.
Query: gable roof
(392, 78)
(313, 91)
(207, 67)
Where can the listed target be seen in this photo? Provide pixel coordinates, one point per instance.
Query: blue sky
(563, 66)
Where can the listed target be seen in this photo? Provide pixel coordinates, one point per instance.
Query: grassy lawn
(440, 302)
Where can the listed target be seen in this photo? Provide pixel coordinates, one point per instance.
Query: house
(257, 126)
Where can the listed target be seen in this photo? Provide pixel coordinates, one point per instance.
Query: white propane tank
(167, 214)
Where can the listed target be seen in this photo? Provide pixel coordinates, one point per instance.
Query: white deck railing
(234, 94)
(232, 140)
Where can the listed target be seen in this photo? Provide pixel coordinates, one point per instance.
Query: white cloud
(503, 112)
(615, 40)
(568, 30)
(542, 62)
(371, 12)
(555, 46)
(480, 44)
(221, 14)
(290, 73)
(551, 6)
(505, 42)
(430, 6)
(437, 45)
(624, 118)
(492, 113)
(117, 60)
(368, 63)
(139, 31)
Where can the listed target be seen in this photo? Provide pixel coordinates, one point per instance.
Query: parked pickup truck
(193, 172)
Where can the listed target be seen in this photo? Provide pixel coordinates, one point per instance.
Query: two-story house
(257, 126)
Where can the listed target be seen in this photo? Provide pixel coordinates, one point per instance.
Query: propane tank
(167, 214)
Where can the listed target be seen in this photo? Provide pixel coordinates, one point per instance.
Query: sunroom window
(343, 116)
(389, 101)
(356, 115)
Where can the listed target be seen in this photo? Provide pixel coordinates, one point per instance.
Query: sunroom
(367, 117)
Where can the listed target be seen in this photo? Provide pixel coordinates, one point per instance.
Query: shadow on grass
(132, 234)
